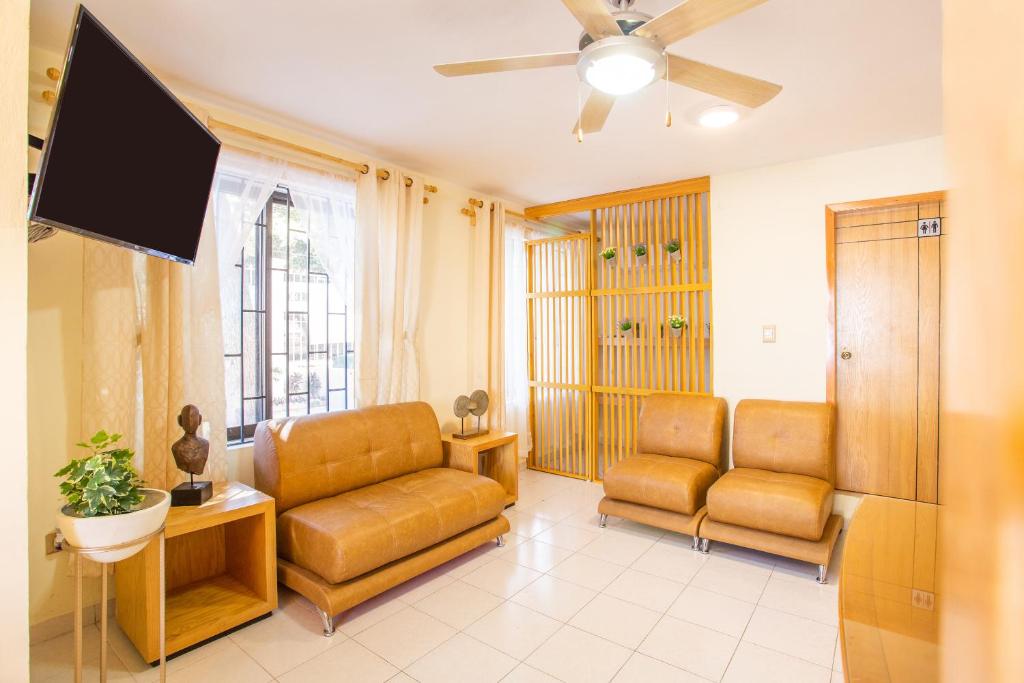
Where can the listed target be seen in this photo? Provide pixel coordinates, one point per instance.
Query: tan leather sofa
(665, 483)
(365, 503)
(778, 496)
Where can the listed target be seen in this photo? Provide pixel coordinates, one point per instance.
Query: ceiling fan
(622, 51)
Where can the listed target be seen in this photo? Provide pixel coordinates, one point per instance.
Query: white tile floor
(564, 601)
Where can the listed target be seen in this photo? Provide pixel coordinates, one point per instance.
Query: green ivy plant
(625, 325)
(608, 254)
(103, 483)
(672, 246)
(677, 322)
(640, 250)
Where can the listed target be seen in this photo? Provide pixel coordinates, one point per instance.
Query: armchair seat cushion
(347, 535)
(661, 481)
(788, 504)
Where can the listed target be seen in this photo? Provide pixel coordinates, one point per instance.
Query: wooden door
(886, 381)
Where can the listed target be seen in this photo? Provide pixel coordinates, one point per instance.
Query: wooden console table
(888, 605)
(221, 571)
(494, 455)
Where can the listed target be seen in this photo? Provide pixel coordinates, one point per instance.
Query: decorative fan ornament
(622, 51)
(474, 404)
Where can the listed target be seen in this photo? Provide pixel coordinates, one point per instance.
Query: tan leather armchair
(364, 502)
(778, 496)
(665, 483)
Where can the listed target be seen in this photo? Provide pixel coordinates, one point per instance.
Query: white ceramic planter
(610, 261)
(676, 331)
(641, 260)
(99, 532)
(676, 256)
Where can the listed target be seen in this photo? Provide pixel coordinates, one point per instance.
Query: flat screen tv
(125, 161)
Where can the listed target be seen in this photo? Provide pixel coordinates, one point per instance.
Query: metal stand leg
(822, 573)
(103, 622)
(704, 545)
(78, 618)
(603, 521)
(328, 622)
(696, 543)
(163, 612)
(501, 541)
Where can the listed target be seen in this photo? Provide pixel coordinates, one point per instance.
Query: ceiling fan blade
(690, 17)
(595, 112)
(487, 66)
(595, 17)
(729, 85)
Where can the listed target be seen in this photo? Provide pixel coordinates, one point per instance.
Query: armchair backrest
(682, 426)
(785, 436)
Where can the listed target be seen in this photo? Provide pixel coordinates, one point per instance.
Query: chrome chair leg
(603, 522)
(328, 622)
(704, 542)
(501, 541)
(822, 574)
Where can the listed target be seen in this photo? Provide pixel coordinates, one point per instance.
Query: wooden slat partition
(558, 315)
(587, 376)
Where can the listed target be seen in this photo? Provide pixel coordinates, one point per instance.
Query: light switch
(768, 334)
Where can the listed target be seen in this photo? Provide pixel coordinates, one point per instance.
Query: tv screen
(124, 160)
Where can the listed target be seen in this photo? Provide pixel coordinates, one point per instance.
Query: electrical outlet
(54, 542)
(768, 334)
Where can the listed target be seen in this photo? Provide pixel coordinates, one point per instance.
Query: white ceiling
(856, 73)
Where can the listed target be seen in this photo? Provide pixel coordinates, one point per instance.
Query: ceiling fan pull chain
(668, 102)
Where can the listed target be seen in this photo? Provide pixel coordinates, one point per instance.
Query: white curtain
(516, 380)
(242, 186)
(389, 237)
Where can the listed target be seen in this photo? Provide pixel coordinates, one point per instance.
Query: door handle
(846, 355)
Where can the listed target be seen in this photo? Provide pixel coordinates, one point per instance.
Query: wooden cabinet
(494, 455)
(884, 377)
(221, 571)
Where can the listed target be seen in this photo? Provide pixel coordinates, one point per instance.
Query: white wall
(13, 303)
(768, 262)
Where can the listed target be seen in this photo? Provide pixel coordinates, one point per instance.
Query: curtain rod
(383, 174)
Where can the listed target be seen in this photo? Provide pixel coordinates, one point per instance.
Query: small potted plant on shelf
(640, 252)
(674, 253)
(626, 327)
(676, 325)
(609, 255)
(105, 503)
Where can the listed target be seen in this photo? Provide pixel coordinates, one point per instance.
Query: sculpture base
(195, 493)
(470, 435)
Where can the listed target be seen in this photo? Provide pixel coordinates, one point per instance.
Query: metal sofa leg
(704, 542)
(822, 573)
(328, 622)
(500, 541)
(603, 522)
(696, 542)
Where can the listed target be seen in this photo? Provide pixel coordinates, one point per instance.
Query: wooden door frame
(831, 211)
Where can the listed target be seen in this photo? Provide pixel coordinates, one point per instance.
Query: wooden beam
(602, 201)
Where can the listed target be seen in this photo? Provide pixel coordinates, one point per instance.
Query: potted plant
(676, 324)
(626, 327)
(609, 255)
(674, 253)
(640, 252)
(105, 502)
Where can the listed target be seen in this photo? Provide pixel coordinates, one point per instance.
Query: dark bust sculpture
(190, 455)
(191, 451)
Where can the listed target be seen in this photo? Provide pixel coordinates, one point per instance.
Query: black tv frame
(40, 176)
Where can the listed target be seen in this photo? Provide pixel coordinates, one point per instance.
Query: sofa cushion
(683, 426)
(787, 504)
(661, 481)
(347, 535)
(785, 436)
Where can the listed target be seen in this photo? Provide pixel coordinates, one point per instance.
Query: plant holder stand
(78, 553)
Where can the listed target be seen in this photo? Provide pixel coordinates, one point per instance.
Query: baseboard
(65, 623)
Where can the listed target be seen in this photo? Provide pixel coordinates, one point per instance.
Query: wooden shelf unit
(493, 455)
(220, 568)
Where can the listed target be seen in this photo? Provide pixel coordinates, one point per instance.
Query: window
(288, 341)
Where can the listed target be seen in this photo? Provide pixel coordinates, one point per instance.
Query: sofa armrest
(460, 456)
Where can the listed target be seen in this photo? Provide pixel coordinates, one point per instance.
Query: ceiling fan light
(719, 117)
(620, 74)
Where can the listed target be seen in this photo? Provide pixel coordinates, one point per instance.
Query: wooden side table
(494, 455)
(220, 567)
